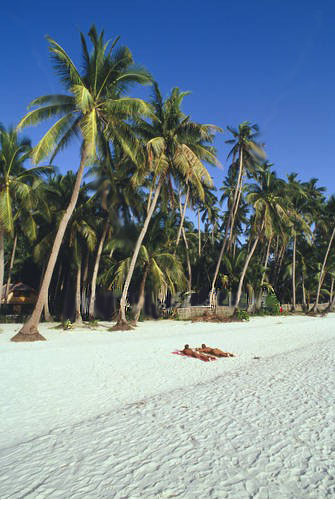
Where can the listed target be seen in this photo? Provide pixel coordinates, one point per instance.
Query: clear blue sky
(266, 61)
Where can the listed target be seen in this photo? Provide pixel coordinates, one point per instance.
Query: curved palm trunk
(322, 273)
(228, 231)
(78, 318)
(122, 321)
(246, 264)
(183, 211)
(293, 273)
(91, 315)
(2, 261)
(11, 263)
(29, 331)
(141, 298)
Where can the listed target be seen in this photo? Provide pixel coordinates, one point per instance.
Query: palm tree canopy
(95, 104)
(20, 187)
(176, 146)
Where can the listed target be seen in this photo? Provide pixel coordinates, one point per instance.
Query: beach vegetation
(141, 228)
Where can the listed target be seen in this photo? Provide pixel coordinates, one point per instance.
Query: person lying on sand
(193, 353)
(214, 351)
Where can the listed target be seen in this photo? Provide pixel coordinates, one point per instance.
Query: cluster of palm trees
(146, 218)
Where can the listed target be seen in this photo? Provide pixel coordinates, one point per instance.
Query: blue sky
(266, 61)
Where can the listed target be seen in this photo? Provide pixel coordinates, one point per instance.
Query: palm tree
(119, 200)
(26, 213)
(330, 214)
(162, 269)
(175, 148)
(297, 196)
(82, 237)
(93, 108)
(248, 153)
(17, 189)
(270, 211)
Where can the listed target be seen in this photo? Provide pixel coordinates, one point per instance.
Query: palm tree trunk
(279, 264)
(122, 321)
(2, 262)
(293, 273)
(237, 196)
(199, 235)
(141, 298)
(250, 292)
(11, 263)
(228, 231)
(46, 311)
(331, 289)
(260, 294)
(304, 303)
(246, 264)
(29, 331)
(322, 273)
(189, 267)
(78, 318)
(331, 305)
(84, 287)
(95, 272)
(183, 211)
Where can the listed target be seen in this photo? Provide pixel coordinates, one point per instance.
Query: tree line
(141, 213)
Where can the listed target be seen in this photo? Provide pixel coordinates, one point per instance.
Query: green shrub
(242, 315)
(272, 305)
(67, 325)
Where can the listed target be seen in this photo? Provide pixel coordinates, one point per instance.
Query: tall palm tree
(119, 200)
(94, 106)
(296, 194)
(270, 210)
(82, 238)
(17, 188)
(330, 215)
(26, 213)
(175, 148)
(247, 152)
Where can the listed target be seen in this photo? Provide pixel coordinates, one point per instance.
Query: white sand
(94, 414)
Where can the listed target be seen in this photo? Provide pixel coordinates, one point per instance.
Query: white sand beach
(95, 414)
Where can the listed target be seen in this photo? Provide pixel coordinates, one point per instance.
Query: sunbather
(214, 351)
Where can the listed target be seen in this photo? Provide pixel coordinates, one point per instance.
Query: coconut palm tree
(18, 188)
(94, 107)
(247, 152)
(82, 238)
(270, 211)
(26, 213)
(176, 147)
(120, 201)
(329, 217)
(158, 267)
